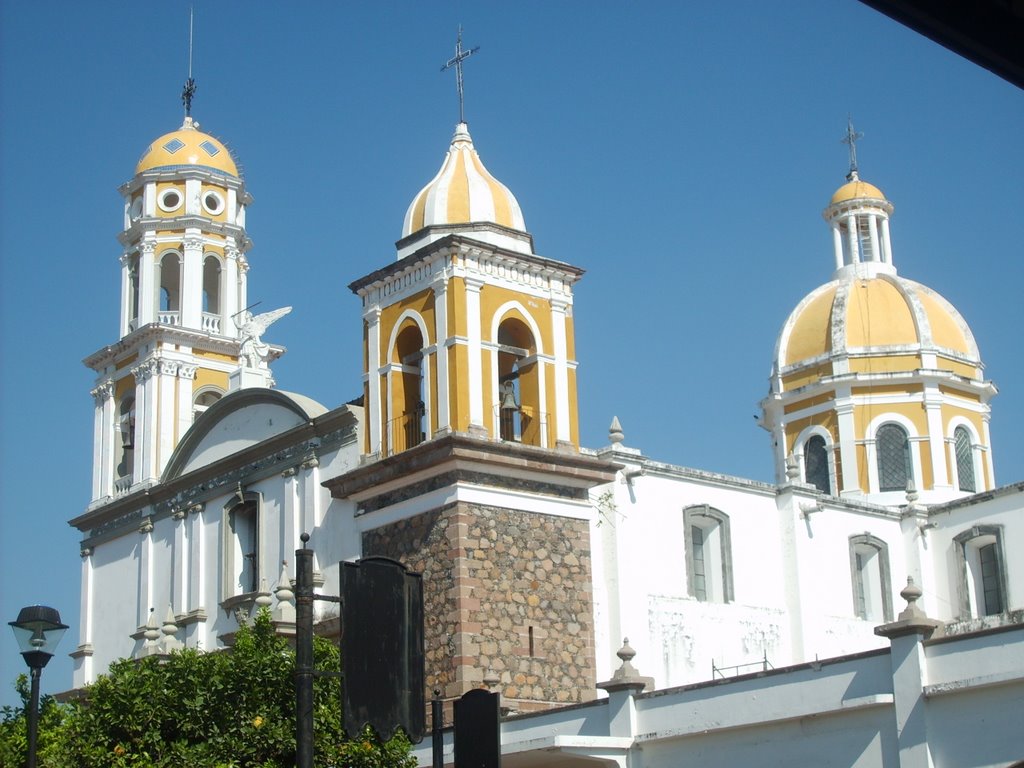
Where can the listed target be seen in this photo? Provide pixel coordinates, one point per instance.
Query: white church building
(772, 623)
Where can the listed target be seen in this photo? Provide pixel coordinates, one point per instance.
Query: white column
(85, 631)
(309, 509)
(126, 293)
(560, 351)
(243, 283)
(886, 242)
(167, 389)
(145, 571)
(146, 419)
(837, 244)
(229, 293)
(149, 199)
(474, 350)
(197, 571)
(232, 205)
(103, 447)
(876, 251)
(192, 279)
(179, 587)
(147, 282)
(847, 446)
(289, 518)
(193, 189)
(441, 337)
(373, 411)
(989, 480)
(851, 238)
(186, 377)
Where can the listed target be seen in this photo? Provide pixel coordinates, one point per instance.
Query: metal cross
(190, 84)
(456, 61)
(851, 139)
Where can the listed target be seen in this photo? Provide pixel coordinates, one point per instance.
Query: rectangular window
(992, 590)
(700, 586)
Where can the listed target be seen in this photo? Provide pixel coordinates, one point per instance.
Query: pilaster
(440, 286)
(374, 410)
(563, 424)
(474, 379)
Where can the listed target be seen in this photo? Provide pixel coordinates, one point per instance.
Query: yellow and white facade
(469, 331)
(183, 282)
(879, 376)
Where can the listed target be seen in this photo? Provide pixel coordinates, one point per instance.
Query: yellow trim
(457, 209)
(811, 333)
(884, 363)
(809, 402)
(418, 211)
(502, 209)
(854, 190)
(807, 376)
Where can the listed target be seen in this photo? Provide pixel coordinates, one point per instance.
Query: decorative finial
(304, 538)
(190, 84)
(851, 139)
(456, 61)
(615, 434)
(792, 468)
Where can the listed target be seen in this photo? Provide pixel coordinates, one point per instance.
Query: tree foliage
(222, 710)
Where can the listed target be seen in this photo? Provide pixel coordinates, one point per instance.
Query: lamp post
(37, 630)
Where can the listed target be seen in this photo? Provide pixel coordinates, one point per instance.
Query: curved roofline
(304, 407)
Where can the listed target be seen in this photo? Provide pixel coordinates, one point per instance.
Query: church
(884, 536)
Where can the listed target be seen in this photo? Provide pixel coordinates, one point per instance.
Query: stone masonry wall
(507, 594)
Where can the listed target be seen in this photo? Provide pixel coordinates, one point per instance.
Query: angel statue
(250, 328)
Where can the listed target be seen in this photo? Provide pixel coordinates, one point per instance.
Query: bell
(508, 397)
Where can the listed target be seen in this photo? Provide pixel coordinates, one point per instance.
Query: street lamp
(37, 630)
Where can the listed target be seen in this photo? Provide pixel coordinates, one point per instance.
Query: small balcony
(122, 485)
(524, 424)
(404, 432)
(168, 318)
(211, 323)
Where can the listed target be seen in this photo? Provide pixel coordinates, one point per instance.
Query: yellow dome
(855, 189)
(880, 315)
(185, 147)
(463, 192)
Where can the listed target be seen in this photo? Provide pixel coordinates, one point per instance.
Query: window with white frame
(869, 571)
(892, 447)
(708, 554)
(816, 469)
(964, 452)
(983, 586)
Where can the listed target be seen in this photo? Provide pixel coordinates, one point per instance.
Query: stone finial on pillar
(626, 677)
(262, 600)
(169, 630)
(152, 634)
(615, 434)
(792, 469)
(285, 610)
(911, 619)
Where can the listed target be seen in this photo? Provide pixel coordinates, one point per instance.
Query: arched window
(816, 470)
(964, 459)
(893, 452)
(203, 400)
(519, 414)
(982, 571)
(869, 569)
(407, 423)
(170, 288)
(708, 554)
(126, 434)
(211, 285)
(242, 547)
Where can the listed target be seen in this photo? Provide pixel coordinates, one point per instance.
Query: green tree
(222, 710)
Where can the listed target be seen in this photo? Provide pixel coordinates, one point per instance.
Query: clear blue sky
(679, 152)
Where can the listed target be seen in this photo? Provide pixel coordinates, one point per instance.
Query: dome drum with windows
(877, 384)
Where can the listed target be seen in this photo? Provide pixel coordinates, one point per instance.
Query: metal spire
(851, 139)
(190, 85)
(456, 61)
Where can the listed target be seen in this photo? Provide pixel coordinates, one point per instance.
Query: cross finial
(190, 84)
(456, 61)
(851, 139)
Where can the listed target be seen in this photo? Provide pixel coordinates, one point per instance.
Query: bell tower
(183, 288)
(471, 473)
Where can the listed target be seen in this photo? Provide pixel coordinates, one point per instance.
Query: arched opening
(170, 288)
(519, 415)
(983, 571)
(204, 400)
(869, 569)
(964, 451)
(126, 438)
(211, 285)
(893, 454)
(242, 557)
(708, 554)
(407, 424)
(816, 469)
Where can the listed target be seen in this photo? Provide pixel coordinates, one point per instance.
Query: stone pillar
(179, 586)
(145, 597)
(166, 390)
(886, 242)
(851, 238)
(192, 279)
(876, 251)
(837, 244)
(563, 423)
(103, 445)
(374, 408)
(909, 675)
(197, 552)
(936, 443)
(847, 446)
(84, 673)
(229, 293)
(148, 289)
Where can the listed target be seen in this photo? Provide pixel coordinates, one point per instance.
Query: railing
(752, 666)
(168, 318)
(524, 425)
(404, 432)
(211, 323)
(122, 485)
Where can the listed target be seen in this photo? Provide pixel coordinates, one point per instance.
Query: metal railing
(404, 432)
(524, 425)
(738, 669)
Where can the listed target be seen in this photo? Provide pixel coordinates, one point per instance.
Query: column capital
(146, 368)
(186, 371)
(148, 247)
(192, 242)
(473, 283)
(85, 552)
(103, 391)
(372, 315)
(146, 526)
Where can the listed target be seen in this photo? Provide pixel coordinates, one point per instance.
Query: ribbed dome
(884, 314)
(856, 189)
(463, 192)
(187, 146)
